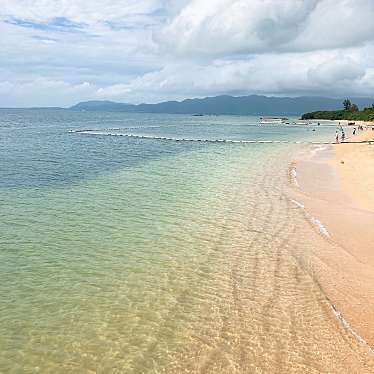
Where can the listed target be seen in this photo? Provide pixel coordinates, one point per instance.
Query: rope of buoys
(102, 132)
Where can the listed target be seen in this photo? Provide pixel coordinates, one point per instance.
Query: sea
(160, 243)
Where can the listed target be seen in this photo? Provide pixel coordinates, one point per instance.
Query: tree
(347, 104)
(354, 108)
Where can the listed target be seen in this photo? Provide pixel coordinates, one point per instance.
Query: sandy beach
(342, 197)
(355, 165)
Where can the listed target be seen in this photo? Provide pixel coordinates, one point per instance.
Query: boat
(273, 120)
(302, 122)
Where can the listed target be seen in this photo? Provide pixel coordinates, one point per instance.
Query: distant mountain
(243, 105)
(102, 106)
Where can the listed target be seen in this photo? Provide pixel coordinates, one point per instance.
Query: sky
(60, 52)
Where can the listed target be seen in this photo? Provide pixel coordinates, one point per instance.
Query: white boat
(302, 122)
(273, 120)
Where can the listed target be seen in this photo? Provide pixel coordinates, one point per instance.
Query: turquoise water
(137, 255)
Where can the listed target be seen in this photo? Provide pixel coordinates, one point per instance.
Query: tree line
(350, 112)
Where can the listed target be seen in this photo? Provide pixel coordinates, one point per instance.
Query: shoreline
(342, 197)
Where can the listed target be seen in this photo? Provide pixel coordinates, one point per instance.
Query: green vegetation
(350, 112)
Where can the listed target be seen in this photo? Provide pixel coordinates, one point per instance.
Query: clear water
(128, 255)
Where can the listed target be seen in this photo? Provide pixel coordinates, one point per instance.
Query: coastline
(342, 197)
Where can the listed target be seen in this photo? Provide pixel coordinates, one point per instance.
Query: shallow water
(130, 255)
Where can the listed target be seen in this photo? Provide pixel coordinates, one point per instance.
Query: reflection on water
(150, 257)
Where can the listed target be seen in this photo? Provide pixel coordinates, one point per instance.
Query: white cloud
(338, 24)
(235, 26)
(343, 70)
(327, 72)
(57, 52)
(220, 27)
(39, 91)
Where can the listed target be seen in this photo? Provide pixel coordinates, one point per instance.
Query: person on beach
(336, 136)
(343, 136)
(354, 131)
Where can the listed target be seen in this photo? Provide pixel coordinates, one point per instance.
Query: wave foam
(302, 206)
(349, 328)
(322, 229)
(316, 222)
(293, 173)
(318, 149)
(336, 312)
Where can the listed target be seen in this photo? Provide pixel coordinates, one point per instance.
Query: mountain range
(242, 105)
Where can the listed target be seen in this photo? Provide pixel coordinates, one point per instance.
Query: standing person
(343, 136)
(336, 136)
(354, 131)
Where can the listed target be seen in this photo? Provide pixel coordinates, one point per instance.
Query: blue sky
(59, 52)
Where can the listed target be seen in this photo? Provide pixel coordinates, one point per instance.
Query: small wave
(302, 206)
(316, 222)
(318, 149)
(322, 229)
(349, 328)
(293, 174)
(336, 312)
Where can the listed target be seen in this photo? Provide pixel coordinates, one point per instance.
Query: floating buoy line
(109, 132)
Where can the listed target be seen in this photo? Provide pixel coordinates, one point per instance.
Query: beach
(342, 197)
(357, 169)
(187, 187)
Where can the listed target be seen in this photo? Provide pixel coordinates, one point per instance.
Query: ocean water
(148, 254)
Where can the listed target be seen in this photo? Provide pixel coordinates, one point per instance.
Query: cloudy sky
(59, 52)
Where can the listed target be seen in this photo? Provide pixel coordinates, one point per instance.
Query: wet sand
(336, 184)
